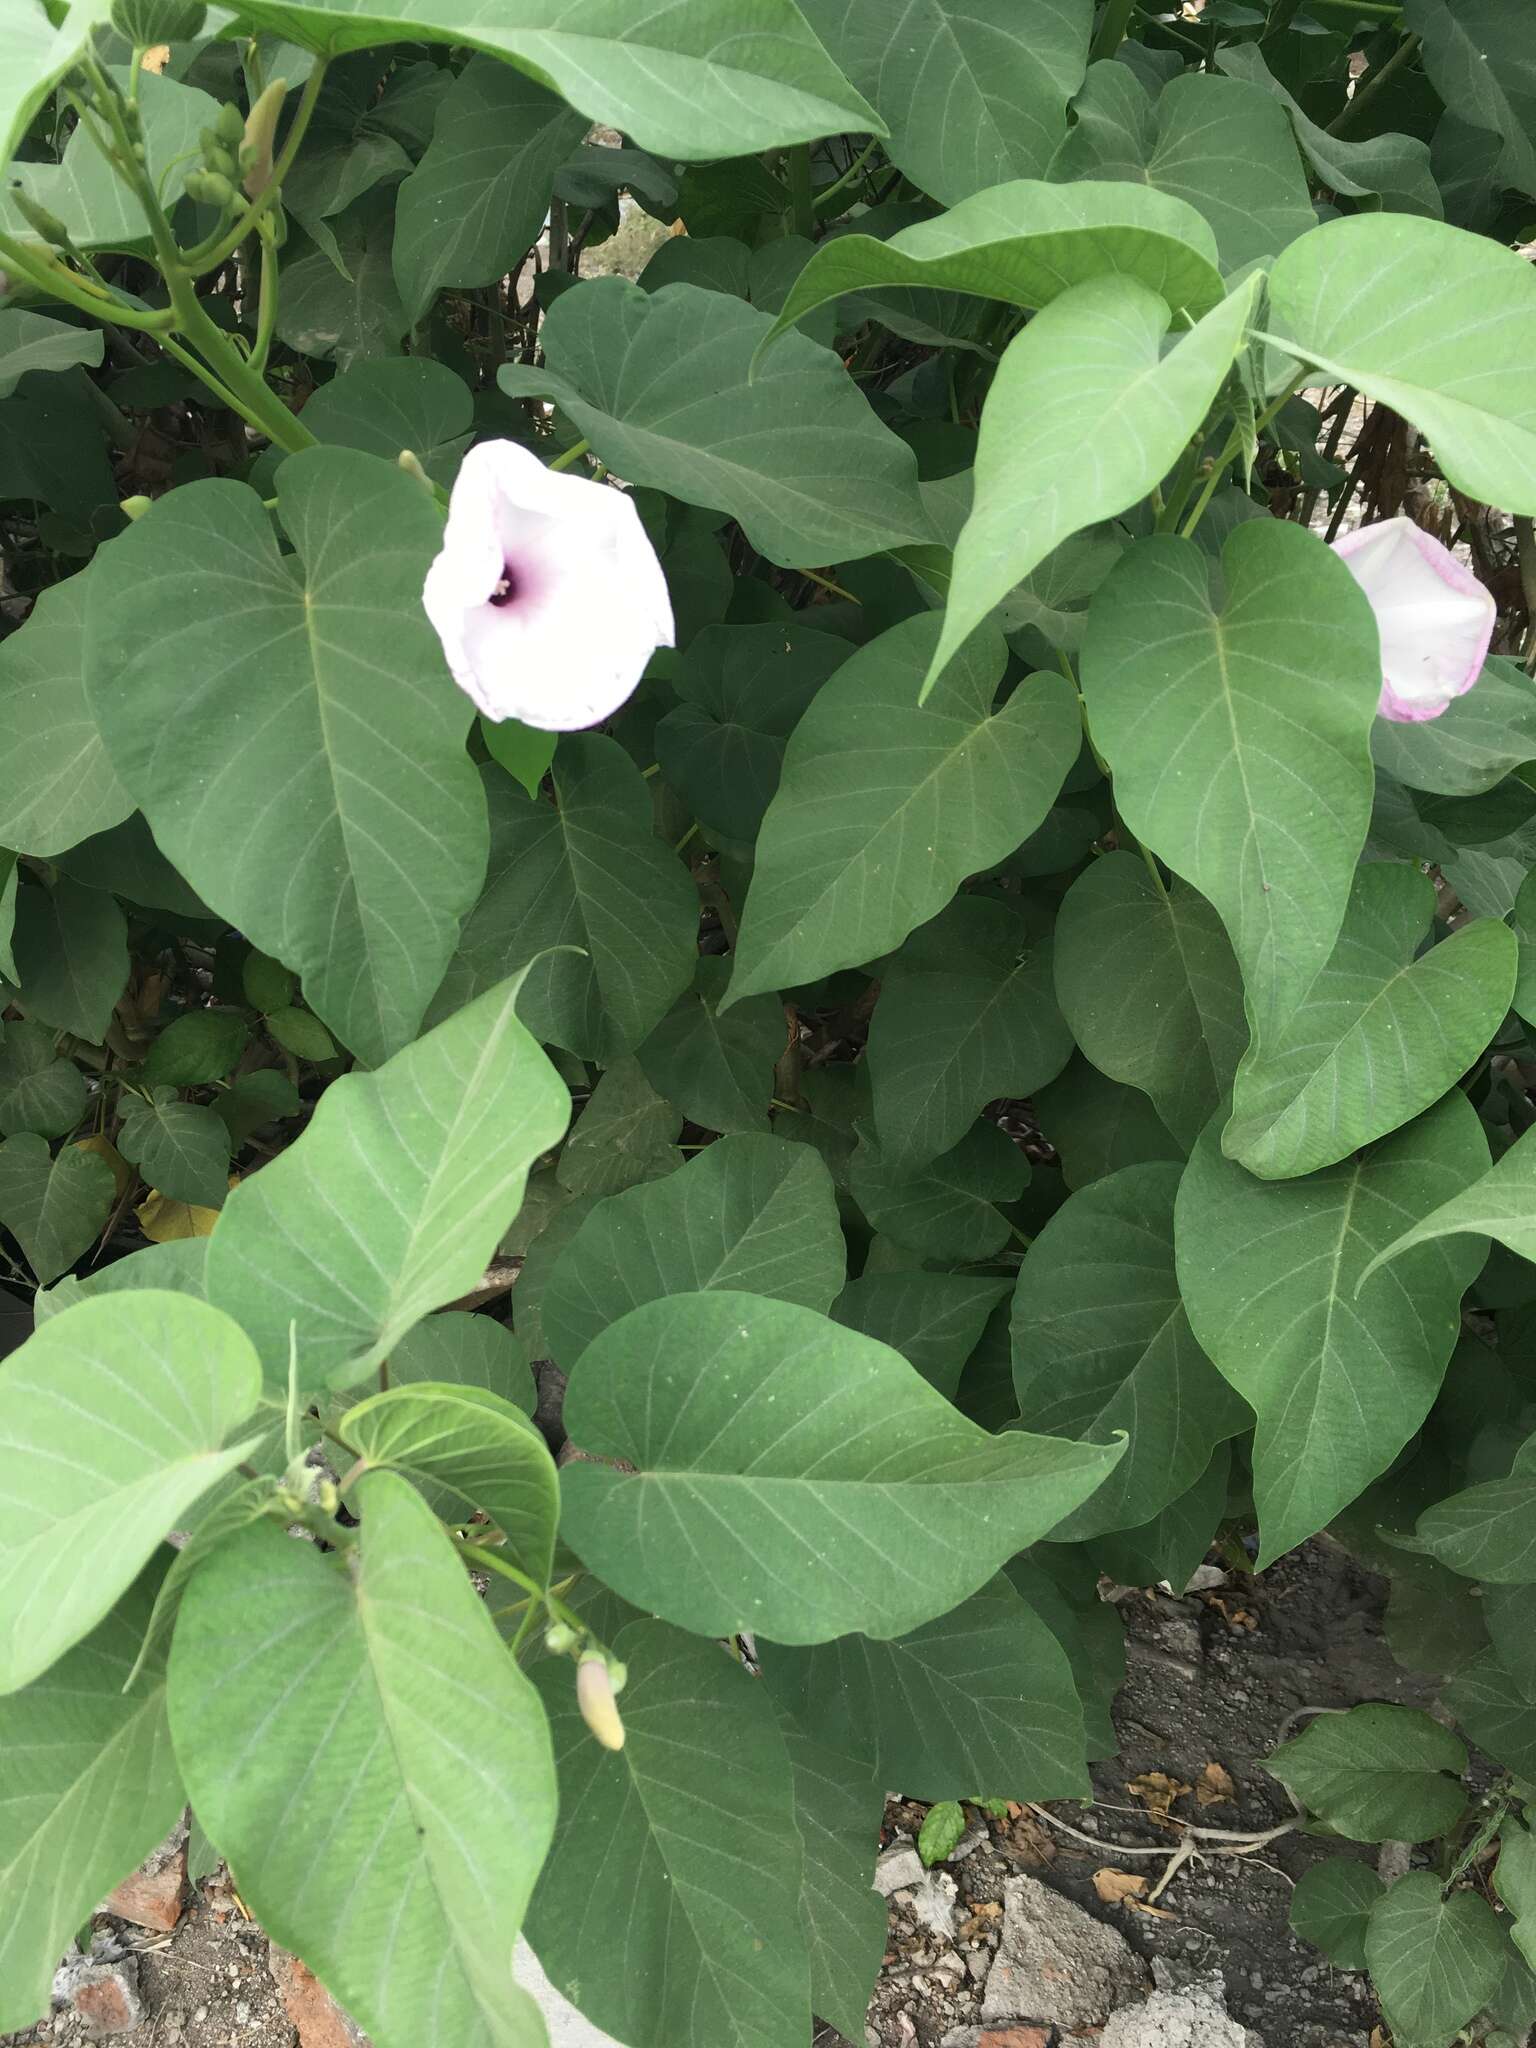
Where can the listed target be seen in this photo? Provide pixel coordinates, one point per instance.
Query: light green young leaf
(476, 201)
(973, 93)
(660, 384)
(38, 1091)
(181, 1148)
(394, 1198)
(1515, 1877)
(112, 1421)
(934, 1320)
(1380, 1034)
(945, 1210)
(1380, 303)
(586, 884)
(676, 1923)
(86, 192)
(944, 1044)
(1331, 1907)
(175, 1267)
(943, 1826)
(718, 1070)
(1479, 61)
(1377, 1773)
(885, 805)
(88, 1763)
(838, 1807)
(625, 1135)
(1239, 736)
(1169, 1019)
(792, 1477)
(1393, 169)
(1501, 1204)
(1269, 1271)
(314, 786)
(1085, 415)
(1101, 1343)
(465, 1350)
(753, 1214)
(1434, 1958)
(403, 1874)
(982, 1696)
(1025, 243)
(1219, 144)
(71, 952)
(31, 341)
(466, 1448)
(52, 1207)
(1480, 738)
(698, 82)
(40, 48)
(1488, 1531)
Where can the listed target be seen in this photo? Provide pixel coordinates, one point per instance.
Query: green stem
(1183, 483)
(1362, 96)
(801, 198)
(489, 1561)
(49, 276)
(266, 302)
(571, 456)
(1234, 448)
(822, 203)
(1111, 34)
(210, 254)
(1153, 870)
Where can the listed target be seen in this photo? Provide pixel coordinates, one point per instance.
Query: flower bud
(560, 1639)
(210, 188)
(260, 131)
(39, 219)
(136, 506)
(146, 22)
(618, 1673)
(410, 462)
(594, 1696)
(229, 127)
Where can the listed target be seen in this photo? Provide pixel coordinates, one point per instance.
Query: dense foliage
(996, 1066)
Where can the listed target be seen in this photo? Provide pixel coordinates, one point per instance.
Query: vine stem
(801, 197)
(1233, 447)
(1117, 19)
(571, 456)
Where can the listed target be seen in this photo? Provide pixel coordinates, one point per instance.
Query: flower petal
(1434, 618)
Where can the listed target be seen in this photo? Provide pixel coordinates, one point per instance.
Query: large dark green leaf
(1488, 1531)
(395, 1197)
(1169, 1018)
(306, 773)
(689, 81)
(113, 1418)
(983, 1696)
(974, 91)
(402, 1875)
(756, 1215)
(1101, 1343)
(88, 1764)
(1220, 144)
(586, 875)
(625, 1135)
(1377, 1773)
(181, 1148)
(945, 1210)
(718, 1070)
(395, 403)
(1380, 1034)
(477, 199)
(1238, 731)
(660, 384)
(1478, 56)
(1435, 1957)
(59, 785)
(1341, 1369)
(783, 1474)
(934, 1320)
(886, 805)
(53, 1207)
(838, 1807)
(1085, 415)
(674, 1921)
(71, 953)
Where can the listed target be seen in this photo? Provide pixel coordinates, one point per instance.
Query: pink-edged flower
(1434, 617)
(547, 596)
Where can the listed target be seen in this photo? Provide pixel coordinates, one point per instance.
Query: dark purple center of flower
(506, 590)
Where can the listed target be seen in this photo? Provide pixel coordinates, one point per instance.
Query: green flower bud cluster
(222, 160)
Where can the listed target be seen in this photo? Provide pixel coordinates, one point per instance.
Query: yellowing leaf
(122, 1172)
(1118, 1887)
(1214, 1787)
(163, 1220)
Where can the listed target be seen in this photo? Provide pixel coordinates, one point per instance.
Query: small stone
(1195, 2017)
(898, 1868)
(152, 1896)
(1056, 1963)
(316, 2017)
(242, 2013)
(105, 1996)
(933, 1905)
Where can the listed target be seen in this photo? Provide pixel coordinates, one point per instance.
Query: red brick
(152, 1896)
(106, 1998)
(1015, 2037)
(319, 2020)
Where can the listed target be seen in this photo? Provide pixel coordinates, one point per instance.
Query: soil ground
(1215, 1678)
